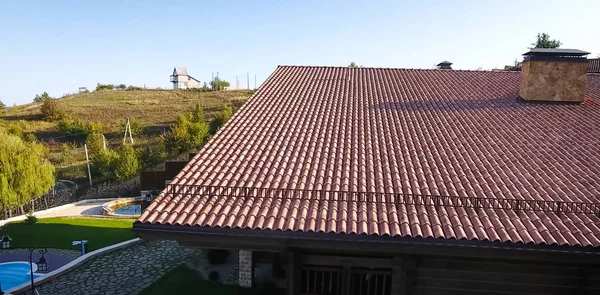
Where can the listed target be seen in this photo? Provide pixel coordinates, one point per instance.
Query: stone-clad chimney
(554, 75)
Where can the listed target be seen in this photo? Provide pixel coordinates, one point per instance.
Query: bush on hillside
(75, 126)
(152, 156)
(104, 87)
(41, 97)
(103, 164)
(189, 132)
(95, 142)
(127, 165)
(221, 118)
(51, 111)
(121, 86)
(133, 88)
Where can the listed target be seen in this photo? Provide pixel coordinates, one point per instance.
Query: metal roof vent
(445, 65)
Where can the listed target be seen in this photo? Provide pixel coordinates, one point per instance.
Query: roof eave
(270, 240)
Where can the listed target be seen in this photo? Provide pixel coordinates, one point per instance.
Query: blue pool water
(15, 273)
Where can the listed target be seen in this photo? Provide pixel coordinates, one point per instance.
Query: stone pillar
(245, 269)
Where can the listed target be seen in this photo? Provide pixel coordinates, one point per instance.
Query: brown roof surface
(594, 65)
(400, 131)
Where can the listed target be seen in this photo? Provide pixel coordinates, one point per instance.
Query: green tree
(352, 65)
(218, 84)
(189, 132)
(95, 142)
(544, 41)
(41, 97)
(51, 111)
(220, 120)
(103, 164)
(152, 156)
(25, 173)
(127, 165)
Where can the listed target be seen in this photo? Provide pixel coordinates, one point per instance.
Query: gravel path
(124, 271)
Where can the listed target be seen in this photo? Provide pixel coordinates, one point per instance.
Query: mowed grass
(61, 231)
(185, 281)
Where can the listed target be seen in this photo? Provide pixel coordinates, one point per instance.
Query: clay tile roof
(398, 153)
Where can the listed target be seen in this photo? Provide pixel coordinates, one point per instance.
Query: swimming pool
(15, 273)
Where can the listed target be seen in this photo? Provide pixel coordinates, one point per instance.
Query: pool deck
(56, 257)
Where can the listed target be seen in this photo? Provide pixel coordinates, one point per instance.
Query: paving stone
(124, 271)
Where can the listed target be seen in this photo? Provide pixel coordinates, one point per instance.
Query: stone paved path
(124, 271)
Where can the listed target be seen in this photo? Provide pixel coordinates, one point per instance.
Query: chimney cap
(556, 52)
(444, 63)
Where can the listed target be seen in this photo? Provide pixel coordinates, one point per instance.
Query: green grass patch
(61, 231)
(185, 281)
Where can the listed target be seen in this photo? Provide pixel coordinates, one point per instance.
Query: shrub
(132, 88)
(29, 137)
(104, 87)
(51, 111)
(221, 118)
(213, 276)
(104, 163)
(152, 156)
(189, 132)
(127, 164)
(75, 126)
(217, 256)
(95, 142)
(41, 97)
(121, 86)
(30, 219)
(72, 126)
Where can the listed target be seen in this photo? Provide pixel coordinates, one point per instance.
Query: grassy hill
(154, 110)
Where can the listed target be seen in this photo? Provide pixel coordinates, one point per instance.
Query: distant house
(182, 80)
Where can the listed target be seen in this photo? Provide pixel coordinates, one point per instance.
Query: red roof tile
(334, 131)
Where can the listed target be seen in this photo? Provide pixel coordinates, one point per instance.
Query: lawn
(60, 232)
(185, 281)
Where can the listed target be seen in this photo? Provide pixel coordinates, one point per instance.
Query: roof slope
(401, 131)
(180, 71)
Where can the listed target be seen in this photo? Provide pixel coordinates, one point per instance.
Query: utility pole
(218, 84)
(237, 83)
(104, 141)
(87, 161)
(255, 81)
(127, 129)
(248, 80)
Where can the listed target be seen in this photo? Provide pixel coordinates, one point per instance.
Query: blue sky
(57, 46)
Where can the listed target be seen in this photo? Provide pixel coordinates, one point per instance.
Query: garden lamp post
(6, 242)
(42, 265)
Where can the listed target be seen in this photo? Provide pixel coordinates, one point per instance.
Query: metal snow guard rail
(385, 198)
